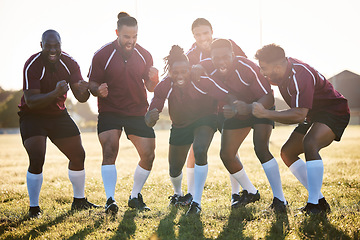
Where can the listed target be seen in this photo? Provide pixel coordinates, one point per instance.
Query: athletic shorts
(52, 126)
(220, 121)
(337, 123)
(133, 125)
(185, 135)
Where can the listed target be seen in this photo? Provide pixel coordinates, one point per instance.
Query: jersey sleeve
(237, 50)
(252, 77)
(148, 63)
(160, 96)
(97, 70)
(32, 74)
(75, 73)
(302, 91)
(208, 86)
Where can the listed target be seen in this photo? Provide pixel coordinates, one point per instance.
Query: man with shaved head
(47, 77)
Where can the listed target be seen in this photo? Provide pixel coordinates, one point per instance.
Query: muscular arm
(290, 116)
(80, 90)
(245, 109)
(36, 100)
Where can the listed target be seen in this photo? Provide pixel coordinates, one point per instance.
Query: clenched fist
(151, 117)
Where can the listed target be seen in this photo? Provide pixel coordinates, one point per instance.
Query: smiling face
(127, 37)
(179, 72)
(222, 59)
(51, 47)
(203, 36)
(273, 72)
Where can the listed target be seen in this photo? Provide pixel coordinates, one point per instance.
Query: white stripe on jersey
(297, 64)
(257, 78)
(26, 70)
(140, 55)
(297, 89)
(95, 54)
(168, 95)
(237, 72)
(43, 73)
(213, 72)
(222, 89)
(108, 61)
(198, 89)
(193, 49)
(65, 66)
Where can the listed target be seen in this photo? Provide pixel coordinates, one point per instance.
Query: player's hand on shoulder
(61, 87)
(103, 90)
(151, 117)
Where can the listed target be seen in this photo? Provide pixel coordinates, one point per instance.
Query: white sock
(200, 174)
(235, 186)
(109, 177)
(272, 172)
(298, 169)
(77, 179)
(244, 181)
(315, 172)
(34, 182)
(190, 180)
(176, 182)
(140, 177)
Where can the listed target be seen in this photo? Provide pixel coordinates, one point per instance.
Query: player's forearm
(94, 88)
(267, 100)
(151, 84)
(81, 96)
(290, 116)
(41, 100)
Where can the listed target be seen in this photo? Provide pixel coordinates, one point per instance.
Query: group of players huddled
(211, 87)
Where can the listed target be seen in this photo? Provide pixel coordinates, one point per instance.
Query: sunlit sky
(323, 33)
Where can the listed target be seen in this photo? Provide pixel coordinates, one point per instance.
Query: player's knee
(262, 152)
(36, 165)
(310, 145)
(174, 171)
(226, 156)
(200, 154)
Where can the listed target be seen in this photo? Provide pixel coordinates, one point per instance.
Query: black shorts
(52, 126)
(220, 121)
(234, 123)
(185, 135)
(133, 125)
(337, 123)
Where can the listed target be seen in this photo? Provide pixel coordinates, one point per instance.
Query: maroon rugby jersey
(304, 87)
(196, 55)
(244, 80)
(41, 74)
(188, 104)
(124, 77)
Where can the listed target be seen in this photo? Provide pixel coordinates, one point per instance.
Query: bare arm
(80, 90)
(36, 100)
(243, 108)
(290, 116)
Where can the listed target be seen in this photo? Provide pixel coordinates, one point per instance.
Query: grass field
(255, 221)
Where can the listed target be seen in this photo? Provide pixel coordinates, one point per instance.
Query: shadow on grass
(319, 227)
(236, 223)
(191, 227)
(39, 230)
(87, 230)
(166, 226)
(6, 224)
(127, 226)
(280, 227)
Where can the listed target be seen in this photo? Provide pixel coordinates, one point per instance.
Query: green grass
(341, 188)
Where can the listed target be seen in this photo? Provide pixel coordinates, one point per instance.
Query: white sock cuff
(270, 164)
(108, 167)
(239, 173)
(201, 168)
(33, 175)
(314, 163)
(296, 165)
(142, 171)
(189, 170)
(178, 177)
(76, 173)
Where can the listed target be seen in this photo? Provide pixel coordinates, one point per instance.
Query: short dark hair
(199, 22)
(270, 53)
(125, 19)
(176, 54)
(221, 43)
(50, 31)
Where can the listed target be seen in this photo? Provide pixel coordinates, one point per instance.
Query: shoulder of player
(34, 62)
(302, 69)
(142, 51)
(105, 50)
